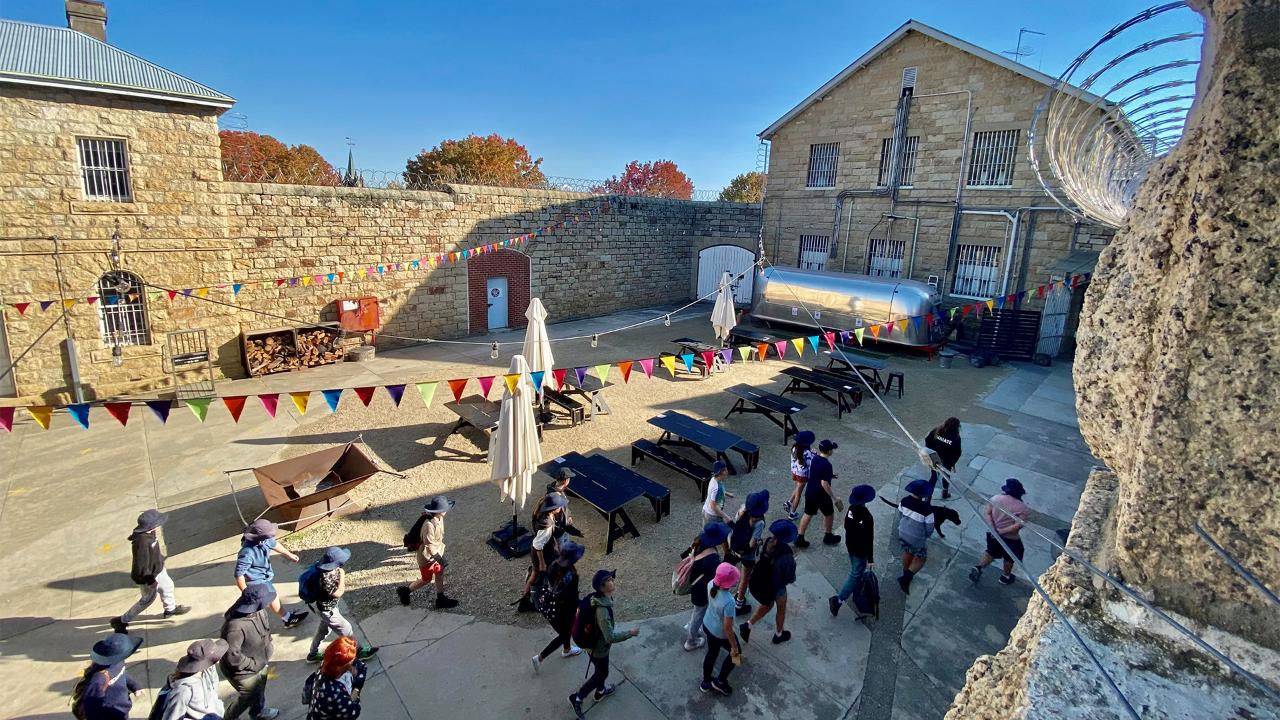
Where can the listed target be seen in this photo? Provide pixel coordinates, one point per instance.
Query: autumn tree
(491, 160)
(660, 178)
(745, 188)
(251, 157)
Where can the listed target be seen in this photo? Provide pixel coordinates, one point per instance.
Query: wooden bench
(750, 453)
(647, 448)
(577, 413)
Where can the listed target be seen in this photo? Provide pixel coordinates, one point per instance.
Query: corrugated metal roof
(59, 57)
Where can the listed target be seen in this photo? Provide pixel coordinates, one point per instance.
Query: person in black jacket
(247, 630)
(561, 602)
(859, 540)
(945, 440)
(148, 571)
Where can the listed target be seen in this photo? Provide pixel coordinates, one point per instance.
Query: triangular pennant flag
(306, 280)
(813, 340)
(602, 372)
(428, 391)
(396, 392)
(91, 299)
(171, 293)
(331, 398)
(202, 292)
(538, 378)
(888, 328)
(80, 413)
(41, 414)
(1000, 302)
(198, 407)
(761, 350)
(235, 405)
(511, 380)
(844, 336)
(953, 313)
(300, 400)
(365, 394)
(44, 305)
(708, 358)
(687, 359)
(781, 347)
(558, 375)
(726, 354)
(486, 382)
(119, 411)
(235, 288)
(581, 372)
(669, 362)
(269, 402)
(647, 366)
(22, 307)
(160, 408)
(68, 303)
(965, 310)
(857, 333)
(624, 367)
(111, 300)
(830, 337)
(744, 352)
(457, 386)
(875, 331)
(331, 276)
(6, 418)
(991, 305)
(798, 344)
(186, 292)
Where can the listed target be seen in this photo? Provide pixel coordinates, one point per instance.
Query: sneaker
(743, 608)
(801, 542)
(537, 663)
(315, 657)
(293, 618)
(444, 602)
(1007, 579)
(267, 713)
(744, 631)
(833, 604)
(573, 651)
(975, 574)
(605, 692)
(119, 625)
(780, 638)
(946, 494)
(691, 646)
(576, 702)
(403, 593)
(830, 539)
(177, 610)
(705, 686)
(786, 507)
(364, 652)
(793, 516)
(721, 687)
(905, 584)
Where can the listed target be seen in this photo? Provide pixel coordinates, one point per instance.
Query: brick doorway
(512, 265)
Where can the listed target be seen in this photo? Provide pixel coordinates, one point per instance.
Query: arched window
(122, 314)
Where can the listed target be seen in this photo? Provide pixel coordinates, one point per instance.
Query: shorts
(748, 560)
(920, 551)
(799, 479)
(815, 503)
(429, 572)
(997, 552)
(777, 595)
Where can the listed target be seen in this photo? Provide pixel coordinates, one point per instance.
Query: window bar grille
(977, 271)
(118, 313)
(994, 158)
(885, 257)
(910, 147)
(814, 251)
(823, 159)
(104, 168)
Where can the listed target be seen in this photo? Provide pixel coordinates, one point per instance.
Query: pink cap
(727, 576)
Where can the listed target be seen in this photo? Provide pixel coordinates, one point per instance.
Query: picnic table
(589, 388)
(740, 335)
(767, 404)
(830, 386)
(479, 413)
(707, 440)
(597, 488)
(866, 366)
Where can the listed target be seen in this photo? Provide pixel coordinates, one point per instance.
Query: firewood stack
(271, 354)
(318, 347)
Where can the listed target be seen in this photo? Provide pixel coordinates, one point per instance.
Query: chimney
(88, 17)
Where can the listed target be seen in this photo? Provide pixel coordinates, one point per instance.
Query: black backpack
(309, 590)
(761, 582)
(740, 539)
(866, 594)
(413, 538)
(586, 633)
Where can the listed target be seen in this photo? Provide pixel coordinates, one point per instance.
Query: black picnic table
(767, 404)
(698, 349)
(479, 413)
(847, 395)
(707, 440)
(845, 359)
(590, 388)
(600, 489)
(752, 336)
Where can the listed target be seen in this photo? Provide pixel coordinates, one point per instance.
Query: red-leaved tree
(490, 160)
(660, 178)
(251, 157)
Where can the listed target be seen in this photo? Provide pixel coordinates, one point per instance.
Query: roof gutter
(114, 90)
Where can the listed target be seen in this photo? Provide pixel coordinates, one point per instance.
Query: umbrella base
(511, 541)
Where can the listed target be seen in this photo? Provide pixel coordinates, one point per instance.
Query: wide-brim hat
(553, 501)
(784, 531)
(805, 438)
(861, 494)
(1013, 488)
(727, 576)
(334, 558)
(714, 535)
(919, 487)
(598, 580)
(758, 503)
(254, 598)
(201, 655)
(438, 504)
(150, 520)
(259, 530)
(114, 648)
(570, 553)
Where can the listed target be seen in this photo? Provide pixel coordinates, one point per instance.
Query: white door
(8, 385)
(718, 259)
(1053, 321)
(496, 296)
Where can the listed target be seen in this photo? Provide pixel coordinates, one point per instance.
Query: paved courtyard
(70, 497)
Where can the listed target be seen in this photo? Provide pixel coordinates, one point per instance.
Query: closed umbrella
(537, 344)
(514, 453)
(723, 315)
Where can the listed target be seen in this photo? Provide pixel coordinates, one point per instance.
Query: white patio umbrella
(723, 315)
(514, 453)
(537, 344)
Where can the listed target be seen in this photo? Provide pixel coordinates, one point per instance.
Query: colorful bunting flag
(172, 294)
(1000, 302)
(669, 362)
(300, 400)
(915, 323)
(91, 299)
(781, 347)
(581, 372)
(844, 336)
(744, 352)
(875, 331)
(202, 292)
(687, 359)
(708, 359)
(761, 350)
(236, 288)
(486, 383)
(6, 418)
(726, 354)
(331, 398)
(888, 328)
(68, 304)
(602, 372)
(830, 337)
(813, 341)
(119, 411)
(457, 386)
(44, 305)
(624, 367)
(647, 365)
(558, 375)
(991, 305)
(22, 307)
(511, 381)
(80, 413)
(538, 378)
(235, 405)
(798, 344)
(428, 391)
(198, 407)
(396, 392)
(41, 414)
(857, 332)
(160, 408)
(365, 394)
(269, 402)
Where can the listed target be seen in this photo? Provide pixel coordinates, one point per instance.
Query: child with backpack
(774, 571)
(557, 600)
(593, 629)
(105, 691)
(547, 531)
(148, 571)
(694, 571)
(719, 627)
(428, 545)
(191, 692)
(800, 457)
(746, 541)
(859, 540)
(253, 565)
(818, 495)
(320, 587)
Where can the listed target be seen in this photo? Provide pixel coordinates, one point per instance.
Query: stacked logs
(271, 354)
(318, 347)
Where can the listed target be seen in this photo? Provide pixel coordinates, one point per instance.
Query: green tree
(746, 188)
(489, 160)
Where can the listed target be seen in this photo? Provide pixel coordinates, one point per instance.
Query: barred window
(814, 251)
(823, 159)
(884, 257)
(977, 271)
(907, 176)
(104, 169)
(994, 153)
(122, 314)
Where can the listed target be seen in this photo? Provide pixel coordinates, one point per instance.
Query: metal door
(8, 385)
(717, 259)
(1053, 321)
(496, 297)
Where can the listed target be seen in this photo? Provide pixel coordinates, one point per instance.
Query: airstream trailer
(844, 301)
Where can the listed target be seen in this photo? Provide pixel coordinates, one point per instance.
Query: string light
(493, 351)
(595, 340)
(666, 320)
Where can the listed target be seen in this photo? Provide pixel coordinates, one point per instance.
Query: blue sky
(588, 86)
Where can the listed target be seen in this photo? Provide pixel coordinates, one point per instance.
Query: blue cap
(553, 501)
(334, 558)
(805, 438)
(784, 531)
(601, 576)
(1013, 488)
(861, 495)
(714, 535)
(570, 553)
(254, 598)
(758, 503)
(919, 487)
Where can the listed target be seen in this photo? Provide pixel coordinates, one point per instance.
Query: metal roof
(48, 56)
(895, 36)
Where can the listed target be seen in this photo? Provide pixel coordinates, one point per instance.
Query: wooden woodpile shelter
(282, 349)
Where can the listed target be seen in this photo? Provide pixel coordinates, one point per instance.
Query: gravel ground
(412, 440)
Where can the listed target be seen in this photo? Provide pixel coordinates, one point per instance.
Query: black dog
(940, 515)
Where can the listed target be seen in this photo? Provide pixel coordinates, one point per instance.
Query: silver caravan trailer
(844, 301)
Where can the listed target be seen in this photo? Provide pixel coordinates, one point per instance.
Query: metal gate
(717, 259)
(1053, 321)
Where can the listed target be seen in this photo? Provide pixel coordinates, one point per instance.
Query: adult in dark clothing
(818, 495)
(106, 691)
(705, 551)
(562, 596)
(859, 540)
(148, 571)
(247, 630)
(944, 440)
(775, 570)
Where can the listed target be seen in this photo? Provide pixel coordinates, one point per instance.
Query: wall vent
(909, 80)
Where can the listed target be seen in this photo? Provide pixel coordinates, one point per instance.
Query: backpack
(866, 594)
(681, 576)
(740, 538)
(162, 702)
(77, 693)
(413, 538)
(309, 585)
(309, 688)
(586, 633)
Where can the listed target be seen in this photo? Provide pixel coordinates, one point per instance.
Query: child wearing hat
(603, 584)
(746, 541)
(1005, 514)
(914, 528)
(774, 571)
(801, 455)
(430, 554)
(561, 485)
(706, 558)
(718, 623)
(547, 531)
(191, 692)
(859, 541)
(148, 571)
(321, 586)
(713, 506)
(253, 565)
(562, 602)
(818, 495)
(247, 631)
(105, 691)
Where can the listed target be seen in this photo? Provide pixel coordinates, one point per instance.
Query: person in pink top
(1005, 514)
